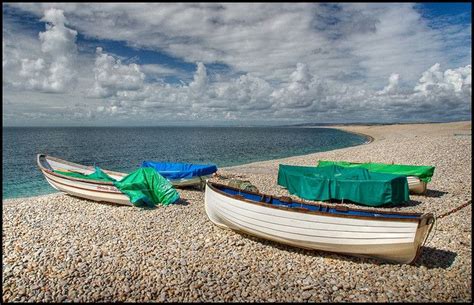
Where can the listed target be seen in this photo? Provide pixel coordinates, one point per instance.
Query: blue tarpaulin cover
(173, 171)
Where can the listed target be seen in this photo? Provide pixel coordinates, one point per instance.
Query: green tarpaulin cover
(423, 172)
(336, 182)
(144, 187)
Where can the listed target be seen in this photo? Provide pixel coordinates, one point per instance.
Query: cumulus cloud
(268, 40)
(393, 84)
(200, 80)
(112, 77)
(434, 81)
(288, 62)
(437, 96)
(55, 70)
(304, 97)
(246, 92)
(297, 93)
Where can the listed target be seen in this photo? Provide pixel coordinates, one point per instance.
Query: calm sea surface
(123, 149)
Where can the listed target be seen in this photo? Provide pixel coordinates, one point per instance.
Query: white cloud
(268, 40)
(297, 94)
(434, 81)
(54, 71)
(287, 62)
(111, 76)
(246, 92)
(199, 83)
(393, 84)
(304, 98)
(57, 40)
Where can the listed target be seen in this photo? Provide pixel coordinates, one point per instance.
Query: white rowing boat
(391, 236)
(53, 163)
(101, 191)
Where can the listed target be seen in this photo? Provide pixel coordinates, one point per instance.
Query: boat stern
(424, 229)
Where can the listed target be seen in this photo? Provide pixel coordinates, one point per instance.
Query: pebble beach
(58, 248)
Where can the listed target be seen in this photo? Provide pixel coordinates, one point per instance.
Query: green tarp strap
(336, 182)
(423, 172)
(144, 187)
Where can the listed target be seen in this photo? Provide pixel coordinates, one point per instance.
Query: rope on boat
(442, 216)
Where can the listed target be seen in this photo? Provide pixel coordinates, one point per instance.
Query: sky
(235, 64)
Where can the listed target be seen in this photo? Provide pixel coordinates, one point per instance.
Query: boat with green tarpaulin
(418, 176)
(334, 182)
(143, 187)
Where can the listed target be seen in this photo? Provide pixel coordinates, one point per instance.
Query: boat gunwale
(421, 219)
(83, 166)
(40, 165)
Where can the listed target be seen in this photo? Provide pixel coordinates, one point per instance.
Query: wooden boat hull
(415, 185)
(392, 239)
(87, 189)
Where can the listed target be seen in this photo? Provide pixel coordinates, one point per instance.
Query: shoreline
(369, 140)
(59, 248)
(347, 128)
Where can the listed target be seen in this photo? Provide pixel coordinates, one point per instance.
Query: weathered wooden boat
(142, 187)
(183, 174)
(418, 176)
(102, 191)
(391, 236)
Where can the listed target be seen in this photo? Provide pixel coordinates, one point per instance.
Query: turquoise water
(123, 149)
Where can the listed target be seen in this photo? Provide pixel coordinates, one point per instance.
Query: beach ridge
(58, 248)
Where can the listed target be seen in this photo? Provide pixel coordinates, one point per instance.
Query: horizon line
(236, 125)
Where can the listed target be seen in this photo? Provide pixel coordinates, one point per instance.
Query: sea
(124, 148)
